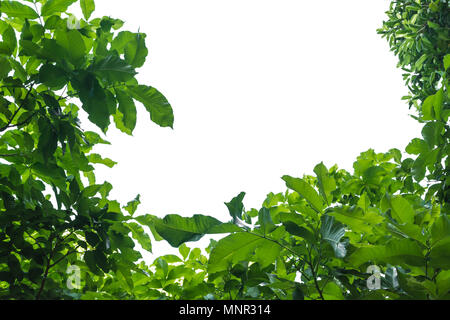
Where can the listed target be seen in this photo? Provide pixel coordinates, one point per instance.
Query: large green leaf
(87, 7)
(396, 252)
(156, 104)
(440, 229)
(402, 210)
(17, 10)
(177, 230)
(113, 69)
(232, 249)
(72, 42)
(55, 6)
(305, 190)
(440, 254)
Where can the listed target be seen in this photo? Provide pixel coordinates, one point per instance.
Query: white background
(259, 88)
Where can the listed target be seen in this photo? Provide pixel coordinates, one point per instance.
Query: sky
(260, 89)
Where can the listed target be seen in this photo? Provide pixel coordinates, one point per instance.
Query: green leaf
(52, 76)
(267, 253)
(305, 190)
(326, 183)
(417, 146)
(332, 232)
(232, 249)
(96, 158)
(113, 69)
(139, 234)
(5, 67)
(55, 6)
(177, 230)
(94, 100)
(89, 259)
(156, 104)
(18, 10)
(440, 254)
(87, 7)
(132, 205)
(446, 61)
(427, 108)
(235, 206)
(136, 51)
(432, 132)
(440, 229)
(298, 231)
(402, 210)
(127, 110)
(72, 42)
(184, 250)
(438, 103)
(396, 252)
(265, 221)
(91, 238)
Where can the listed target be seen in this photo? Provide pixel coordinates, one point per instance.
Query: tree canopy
(379, 232)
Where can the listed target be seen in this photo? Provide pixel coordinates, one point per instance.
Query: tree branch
(8, 125)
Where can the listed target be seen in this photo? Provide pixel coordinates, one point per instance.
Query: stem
(314, 274)
(8, 125)
(44, 279)
(65, 256)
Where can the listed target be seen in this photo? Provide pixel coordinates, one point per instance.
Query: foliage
(321, 239)
(53, 213)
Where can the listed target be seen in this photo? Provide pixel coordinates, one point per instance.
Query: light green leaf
(446, 61)
(132, 205)
(396, 252)
(18, 10)
(327, 184)
(177, 230)
(232, 249)
(402, 210)
(139, 234)
(87, 7)
(96, 158)
(156, 104)
(305, 190)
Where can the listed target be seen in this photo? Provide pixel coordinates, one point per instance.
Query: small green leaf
(446, 61)
(235, 206)
(326, 183)
(132, 205)
(87, 7)
(305, 190)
